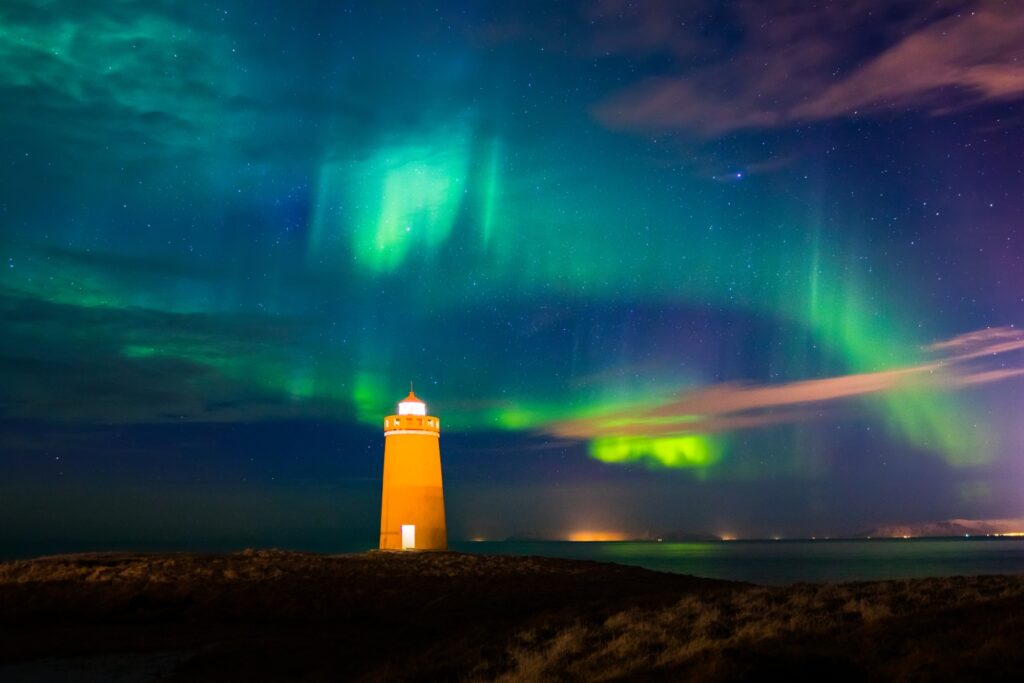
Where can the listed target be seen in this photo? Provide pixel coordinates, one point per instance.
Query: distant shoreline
(814, 539)
(36, 551)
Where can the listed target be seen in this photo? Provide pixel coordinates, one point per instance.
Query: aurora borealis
(746, 268)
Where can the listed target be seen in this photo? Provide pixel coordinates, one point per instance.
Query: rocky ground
(270, 615)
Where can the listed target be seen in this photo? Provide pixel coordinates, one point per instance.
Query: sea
(789, 561)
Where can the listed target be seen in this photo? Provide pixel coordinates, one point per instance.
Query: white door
(408, 536)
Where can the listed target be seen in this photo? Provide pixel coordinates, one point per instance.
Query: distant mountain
(949, 527)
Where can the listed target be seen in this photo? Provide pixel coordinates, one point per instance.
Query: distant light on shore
(596, 536)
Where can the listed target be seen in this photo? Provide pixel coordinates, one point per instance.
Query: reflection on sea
(781, 562)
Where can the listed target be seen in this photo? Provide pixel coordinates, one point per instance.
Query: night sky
(749, 268)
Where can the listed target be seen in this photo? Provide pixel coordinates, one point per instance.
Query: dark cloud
(62, 362)
(89, 69)
(127, 267)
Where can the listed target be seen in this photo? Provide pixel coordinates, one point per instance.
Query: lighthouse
(412, 503)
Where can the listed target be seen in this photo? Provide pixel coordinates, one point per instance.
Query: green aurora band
(412, 225)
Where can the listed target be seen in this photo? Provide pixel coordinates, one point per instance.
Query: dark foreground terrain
(272, 615)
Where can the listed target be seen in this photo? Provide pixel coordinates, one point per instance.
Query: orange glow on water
(596, 536)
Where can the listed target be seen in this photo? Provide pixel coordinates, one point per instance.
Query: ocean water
(784, 562)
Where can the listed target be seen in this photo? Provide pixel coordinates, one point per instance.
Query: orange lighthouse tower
(412, 504)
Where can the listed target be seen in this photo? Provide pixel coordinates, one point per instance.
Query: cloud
(733, 405)
(990, 341)
(145, 60)
(90, 72)
(67, 363)
(638, 29)
(978, 53)
(800, 64)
